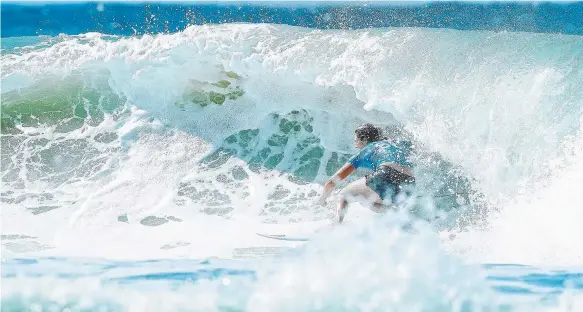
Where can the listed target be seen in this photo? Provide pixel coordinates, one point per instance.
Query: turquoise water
(233, 285)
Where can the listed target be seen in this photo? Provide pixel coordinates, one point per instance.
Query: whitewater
(136, 170)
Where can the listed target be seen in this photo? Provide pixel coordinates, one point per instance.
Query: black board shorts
(388, 183)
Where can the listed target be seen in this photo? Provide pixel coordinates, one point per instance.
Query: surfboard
(285, 237)
(297, 234)
(300, 232)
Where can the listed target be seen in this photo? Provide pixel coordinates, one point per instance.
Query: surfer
(391, 181)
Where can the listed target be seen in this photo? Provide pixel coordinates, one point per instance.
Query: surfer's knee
(353, 191)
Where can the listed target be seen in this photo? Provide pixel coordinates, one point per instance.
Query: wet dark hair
(368, 133)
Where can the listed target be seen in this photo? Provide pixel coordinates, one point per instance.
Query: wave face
(245, 121)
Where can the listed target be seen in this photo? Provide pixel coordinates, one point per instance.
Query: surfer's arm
(340, 175)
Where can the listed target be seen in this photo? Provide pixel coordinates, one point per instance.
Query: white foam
(537, 227)
(470, 96)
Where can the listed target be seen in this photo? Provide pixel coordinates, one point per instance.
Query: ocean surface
(143, 146)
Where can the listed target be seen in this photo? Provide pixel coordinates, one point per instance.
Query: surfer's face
(358, 142)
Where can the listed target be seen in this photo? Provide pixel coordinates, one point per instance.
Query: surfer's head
(367, 133)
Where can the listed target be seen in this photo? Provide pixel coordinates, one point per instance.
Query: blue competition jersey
(376, 153)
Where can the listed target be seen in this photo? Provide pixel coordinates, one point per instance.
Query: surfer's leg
(341, 210)
(357, 191)
(392, 187)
